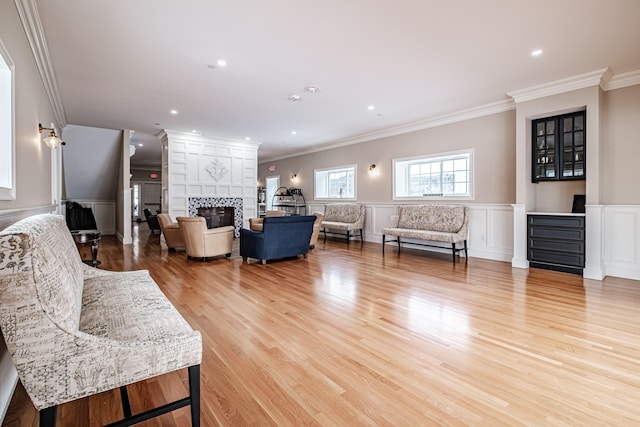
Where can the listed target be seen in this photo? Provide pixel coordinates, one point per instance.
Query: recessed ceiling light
(247, 139)
(371, 107)
(294, 98)
(194, 131)
(293, 132)
(140, 145)
(312, 89)
(222, 63)
(174, 112)
(536, 52)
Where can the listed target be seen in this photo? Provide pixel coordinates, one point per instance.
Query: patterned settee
(436, 223)
(345, 217)
(73, 330)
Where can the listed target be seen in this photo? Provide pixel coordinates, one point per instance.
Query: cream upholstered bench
(73, 330)
(345, 217)
(436, 223)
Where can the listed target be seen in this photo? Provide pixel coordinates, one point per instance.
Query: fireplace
(218, 210)
(217, 216)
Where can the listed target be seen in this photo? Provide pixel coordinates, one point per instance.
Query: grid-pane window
(447, 175)
(336, 183)
(7, 172)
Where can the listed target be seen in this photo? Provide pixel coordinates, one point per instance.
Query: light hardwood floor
(348, 337)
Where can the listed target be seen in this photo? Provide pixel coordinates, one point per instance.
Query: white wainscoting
(490, 228)
(9, 216)
(491, 233)
(621, 246)
(104, 211)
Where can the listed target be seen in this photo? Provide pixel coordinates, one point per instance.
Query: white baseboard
(9, 379)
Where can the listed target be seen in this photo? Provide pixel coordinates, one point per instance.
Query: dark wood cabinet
(559, 144)
(556, 242)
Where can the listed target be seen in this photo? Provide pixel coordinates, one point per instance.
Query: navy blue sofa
(281, 237)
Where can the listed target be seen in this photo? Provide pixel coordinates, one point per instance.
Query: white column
(125, 179)
(519, 259)
(594, 266)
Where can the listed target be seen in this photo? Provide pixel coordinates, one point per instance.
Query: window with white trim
(335, 183)
(446, 175)
(7, 140)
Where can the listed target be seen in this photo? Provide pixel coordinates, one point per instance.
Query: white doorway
(273, 183)
(146, 195)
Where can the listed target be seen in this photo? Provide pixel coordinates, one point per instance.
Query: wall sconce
(52, 140)
(294, 178)
(372, 169)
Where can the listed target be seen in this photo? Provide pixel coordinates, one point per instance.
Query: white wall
(615, 195)
(91, 161)
(33, 158)
(492, 137)
(621, 171)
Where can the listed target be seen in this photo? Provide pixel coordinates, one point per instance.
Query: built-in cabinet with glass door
(559, 147)
(556, 241)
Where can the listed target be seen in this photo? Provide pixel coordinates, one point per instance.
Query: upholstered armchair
(281, 237)
(316, 229)
(202, 242)
(255, 224)
(171, 231)
(152, 221)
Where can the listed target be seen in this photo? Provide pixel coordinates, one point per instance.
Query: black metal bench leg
(48, 417)
(348, 237)
(383, 236)
(126, 406)
(453, 252)
(324, 231)
(361, 236)
(194, 392)
(398, 244)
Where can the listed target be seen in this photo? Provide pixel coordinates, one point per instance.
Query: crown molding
(620, 81)
(594, 78)
(459, 116)
(201, 138)
(28, 11)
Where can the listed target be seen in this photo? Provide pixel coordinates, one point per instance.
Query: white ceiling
(125, 64)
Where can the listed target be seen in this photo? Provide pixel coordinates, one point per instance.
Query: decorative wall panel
(209, 167)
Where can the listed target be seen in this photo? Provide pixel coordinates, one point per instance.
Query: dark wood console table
(92, 237)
